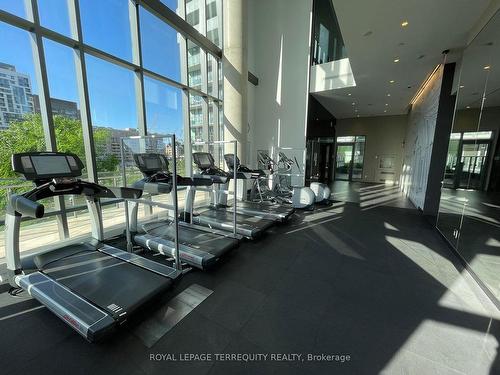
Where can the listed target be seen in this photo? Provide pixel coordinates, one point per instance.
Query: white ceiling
(483, 51)
(434, 25)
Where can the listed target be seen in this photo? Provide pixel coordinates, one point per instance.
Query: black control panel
(203, 160)
(230, 160)
(151, 163)
(36, 166)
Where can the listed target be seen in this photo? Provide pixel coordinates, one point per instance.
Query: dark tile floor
(367, 278)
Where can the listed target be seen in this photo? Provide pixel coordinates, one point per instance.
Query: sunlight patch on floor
(460, 292)
(442, 348)
(337, 243)
(323, 214)
(390, 227)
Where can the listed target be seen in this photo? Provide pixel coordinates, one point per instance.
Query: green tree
(27, 135)
(108, 163)
(22, 136)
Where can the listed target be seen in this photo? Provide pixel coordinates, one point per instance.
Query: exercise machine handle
(26, 207)
(124, 192)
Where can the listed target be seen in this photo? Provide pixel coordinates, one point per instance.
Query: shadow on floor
(369, 279)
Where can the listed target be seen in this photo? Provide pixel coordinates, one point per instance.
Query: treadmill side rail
(88, 320)
(142, 262)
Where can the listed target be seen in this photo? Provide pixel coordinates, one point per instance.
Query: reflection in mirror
(469, 215)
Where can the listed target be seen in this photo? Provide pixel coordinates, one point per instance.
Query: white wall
(419, 140)
(384, 138)
(332, 75)
(278, 54)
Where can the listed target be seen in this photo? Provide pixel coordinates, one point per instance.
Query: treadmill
(200, 247)
(217, 216)
(266, 209)
(91, 286)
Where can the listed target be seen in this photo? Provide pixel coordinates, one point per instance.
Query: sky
(111, 88)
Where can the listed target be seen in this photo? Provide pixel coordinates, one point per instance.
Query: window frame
(31, 24)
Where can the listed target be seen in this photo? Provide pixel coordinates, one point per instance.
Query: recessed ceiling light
(487, 67)
(353, 103)
(388, 94)
(404, 23)
(385, 111)
(357, 116)
(349, 94)
(468, 107)
(391, 81)
(396, 60)
(386, 104)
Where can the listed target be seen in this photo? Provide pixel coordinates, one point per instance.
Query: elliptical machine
(283, 191)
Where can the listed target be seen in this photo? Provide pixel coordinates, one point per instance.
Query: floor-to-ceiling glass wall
(469, 213)
(78, 75)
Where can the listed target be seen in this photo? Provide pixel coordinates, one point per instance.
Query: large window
(114, 115)
(131, 73)
(161, 46)
(20, 126)
(214, 21)
(16, 7)
(195, 63)
(106, 26)
(163, 108)
(54, 15)
(175, 5)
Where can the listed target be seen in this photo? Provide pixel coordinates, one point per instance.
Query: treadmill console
(203, 160)
(150, 163)
(229, 158)
(40, 166)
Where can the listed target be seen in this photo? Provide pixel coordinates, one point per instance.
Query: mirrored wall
(469, 213)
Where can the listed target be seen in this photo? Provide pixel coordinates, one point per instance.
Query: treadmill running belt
(248, 226)
(91, 274)
(241, 219)
(198, 239)
(275, 210)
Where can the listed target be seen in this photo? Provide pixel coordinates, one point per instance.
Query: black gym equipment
(91, 286)
(267, 210)
(199, 246)
(218, 217)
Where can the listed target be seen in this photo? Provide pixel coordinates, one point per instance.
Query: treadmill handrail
(57, 187)
(25, 207)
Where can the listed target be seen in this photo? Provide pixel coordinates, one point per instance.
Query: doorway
(349, 158)
(344, 161)
(467, 162)
(472, 168)
(320, 160)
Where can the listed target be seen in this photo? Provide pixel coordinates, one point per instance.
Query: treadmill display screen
(51, 165)
(203, 160)
(152, 163)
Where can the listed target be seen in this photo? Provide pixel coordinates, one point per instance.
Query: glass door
(473, 165)
(344, 161)
(450, 173)
(358, 158)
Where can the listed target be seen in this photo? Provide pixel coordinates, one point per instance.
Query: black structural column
(442, 132)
